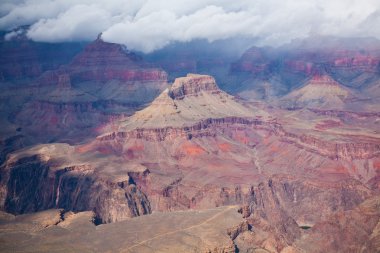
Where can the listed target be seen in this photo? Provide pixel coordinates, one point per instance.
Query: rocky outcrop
(239, 229)
(192, 85)
(31, 184)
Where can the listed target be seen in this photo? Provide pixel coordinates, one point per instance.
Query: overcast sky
(147, 25)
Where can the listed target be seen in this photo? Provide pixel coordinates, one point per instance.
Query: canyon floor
(182, 231)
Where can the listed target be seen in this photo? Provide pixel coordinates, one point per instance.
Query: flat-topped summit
(192, 85)
(190, 99)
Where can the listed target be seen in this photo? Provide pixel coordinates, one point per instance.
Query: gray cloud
(147, 25)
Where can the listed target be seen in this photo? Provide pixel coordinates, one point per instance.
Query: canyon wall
(30, 185)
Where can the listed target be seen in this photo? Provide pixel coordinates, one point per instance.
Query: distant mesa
(319, 91)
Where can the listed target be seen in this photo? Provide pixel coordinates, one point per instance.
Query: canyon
(103, 153)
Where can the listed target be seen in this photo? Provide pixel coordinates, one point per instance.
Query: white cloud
(13, 34)
(80, 22)
(150, 24)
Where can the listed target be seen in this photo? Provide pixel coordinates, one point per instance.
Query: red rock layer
(357, 149)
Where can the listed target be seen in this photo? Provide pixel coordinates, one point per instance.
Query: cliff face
(30, 185)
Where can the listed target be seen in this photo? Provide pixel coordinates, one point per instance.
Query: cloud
(81, 22)
(147, 25)
(13, 34)
(161, 27)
